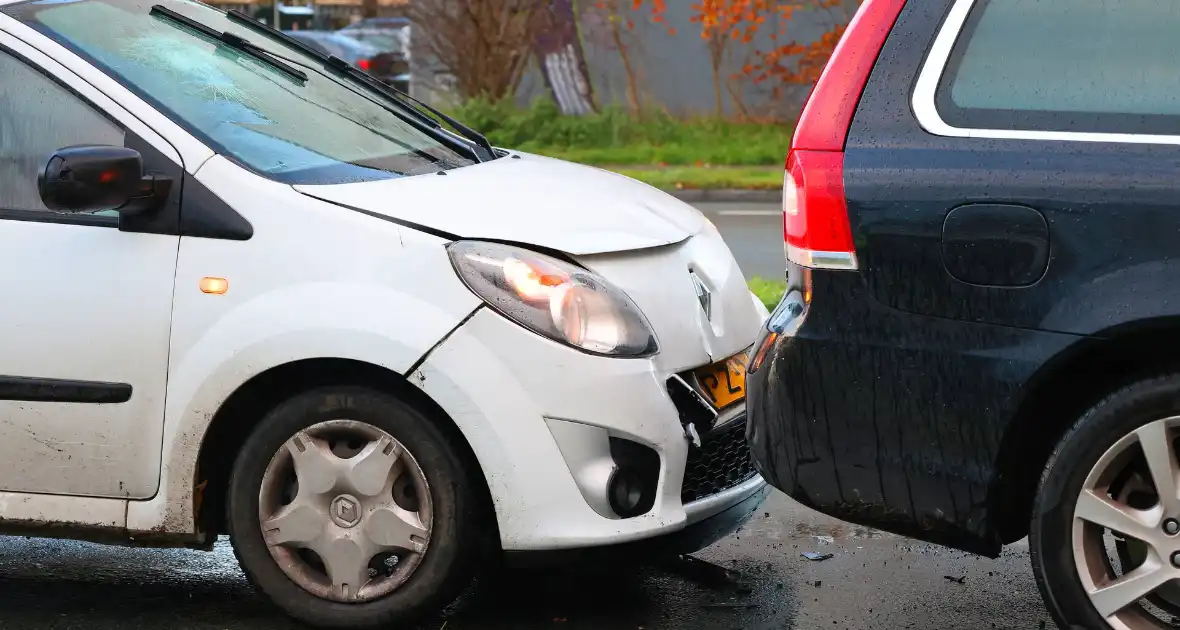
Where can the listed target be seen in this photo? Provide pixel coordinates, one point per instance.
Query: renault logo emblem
(703, 294)
(345, 511)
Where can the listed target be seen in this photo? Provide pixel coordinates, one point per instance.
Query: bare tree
(718, 45)
(622, 26)
(485, 45)
(619, 30)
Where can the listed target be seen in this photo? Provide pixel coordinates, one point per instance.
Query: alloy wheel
(1132, 593)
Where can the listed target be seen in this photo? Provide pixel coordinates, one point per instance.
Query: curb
(728, 196)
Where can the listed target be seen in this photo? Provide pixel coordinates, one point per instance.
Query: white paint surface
(318, 280)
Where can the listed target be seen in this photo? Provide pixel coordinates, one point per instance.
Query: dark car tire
(457, 539)
(1050, 537)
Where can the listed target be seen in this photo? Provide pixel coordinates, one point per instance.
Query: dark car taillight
(364, 64)
(816, 230)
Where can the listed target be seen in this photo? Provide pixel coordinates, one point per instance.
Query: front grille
(722, 462)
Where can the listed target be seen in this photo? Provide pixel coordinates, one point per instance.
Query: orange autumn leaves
(779, 58)
(657, 9)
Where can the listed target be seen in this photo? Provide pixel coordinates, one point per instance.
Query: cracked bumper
(505, 387)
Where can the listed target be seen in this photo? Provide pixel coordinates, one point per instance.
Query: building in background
(579, 66)
(326, 14)
(673, 71)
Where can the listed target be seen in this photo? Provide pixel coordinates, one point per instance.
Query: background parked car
(381, 65)
(391, 38)
(357, 53)
(390, 23)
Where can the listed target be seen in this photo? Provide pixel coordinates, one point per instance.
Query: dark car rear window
(1066, 65)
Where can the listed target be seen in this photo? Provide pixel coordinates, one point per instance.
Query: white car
(248, 292)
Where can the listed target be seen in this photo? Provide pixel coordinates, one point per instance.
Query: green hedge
(769, 291)
(614, 137)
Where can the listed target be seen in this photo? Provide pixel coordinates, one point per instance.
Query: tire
(1104, 428)
(456, 537)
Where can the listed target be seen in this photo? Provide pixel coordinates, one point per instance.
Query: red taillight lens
(364, 64)
(815, 216)
(815, 213)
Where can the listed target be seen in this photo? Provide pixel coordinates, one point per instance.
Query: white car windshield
(326, 129)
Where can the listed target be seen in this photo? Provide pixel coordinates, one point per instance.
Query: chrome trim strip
(696, 394)
(711, 505)
(844, 261)
(926, 111)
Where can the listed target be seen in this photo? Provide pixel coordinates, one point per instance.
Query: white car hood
(532, 200)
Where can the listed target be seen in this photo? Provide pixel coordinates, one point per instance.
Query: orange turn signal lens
(763, 350)
(214, 286)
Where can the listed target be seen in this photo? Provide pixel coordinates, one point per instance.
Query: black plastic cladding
(890, 404)
(722, 462)
(165, 219)
(191, 209)
(204, 215)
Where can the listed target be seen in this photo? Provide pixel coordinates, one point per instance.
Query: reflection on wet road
(872, 581)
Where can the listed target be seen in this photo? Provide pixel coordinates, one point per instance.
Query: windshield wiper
(336, 63)
(233, 41)
(465, 131)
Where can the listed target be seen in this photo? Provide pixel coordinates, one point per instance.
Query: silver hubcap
(1132, 594)
(345, 510)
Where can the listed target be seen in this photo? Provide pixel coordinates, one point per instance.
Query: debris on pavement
(956, 580)
(730, 605)
(817, 557)
(703, 572)
(825, 540)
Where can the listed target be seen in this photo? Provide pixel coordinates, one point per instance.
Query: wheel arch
(252, 400)
(1063, 389)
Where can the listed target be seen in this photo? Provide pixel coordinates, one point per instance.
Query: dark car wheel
(350, 509)
(1105, 537)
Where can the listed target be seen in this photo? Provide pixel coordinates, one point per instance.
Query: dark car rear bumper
(889, 419)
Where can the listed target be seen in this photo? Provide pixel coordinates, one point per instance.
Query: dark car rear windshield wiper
(336, 63)
(234, 41)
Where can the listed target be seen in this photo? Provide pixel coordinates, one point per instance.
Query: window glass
(394, 39)
(39, 117)
(311, 41)
(325, 129)
(1069, 65)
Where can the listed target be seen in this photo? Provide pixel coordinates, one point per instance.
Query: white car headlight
(555, 299)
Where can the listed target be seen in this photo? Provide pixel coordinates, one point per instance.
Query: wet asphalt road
(754, 233)
(873, 581)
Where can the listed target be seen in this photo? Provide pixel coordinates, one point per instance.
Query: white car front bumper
(538, 417)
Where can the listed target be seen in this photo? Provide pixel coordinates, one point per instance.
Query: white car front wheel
(352, 510)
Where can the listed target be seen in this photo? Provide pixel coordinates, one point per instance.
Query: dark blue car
(981, 336)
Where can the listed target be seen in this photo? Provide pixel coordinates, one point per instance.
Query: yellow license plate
(724, 383)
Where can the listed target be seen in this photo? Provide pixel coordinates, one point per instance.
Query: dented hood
(528, 199)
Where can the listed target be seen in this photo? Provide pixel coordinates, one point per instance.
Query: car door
(1028, 176)
(86, 301)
